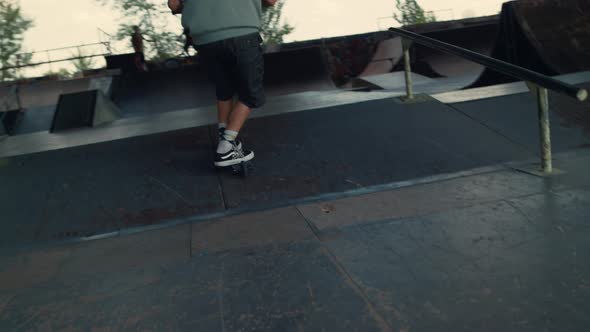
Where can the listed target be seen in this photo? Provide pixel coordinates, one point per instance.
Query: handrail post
(545, 129)
(407, 67)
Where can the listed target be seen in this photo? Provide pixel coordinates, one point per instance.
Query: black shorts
(236, 66)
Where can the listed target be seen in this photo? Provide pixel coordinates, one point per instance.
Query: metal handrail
(18, 66)
(498, 65)
(541, 83)
(65, 48)
(54, 61)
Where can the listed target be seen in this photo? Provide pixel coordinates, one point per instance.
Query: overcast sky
(60, 23)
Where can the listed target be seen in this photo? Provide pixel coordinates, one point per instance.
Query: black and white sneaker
(234, 156)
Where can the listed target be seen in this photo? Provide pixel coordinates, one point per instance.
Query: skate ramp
(432, 71)
(44, 93)
(39, 98)
(83, 109)
(163, 91)
(382, 71)
(376, 75)
(559, 31)
(152, 179)
(189, 86)
(478, 39)
(550, 37)
(387, 55)
(146, 180)
(296, 71)
(389, 81)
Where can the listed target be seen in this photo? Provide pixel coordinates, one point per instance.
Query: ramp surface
(494, 251)
(146, 180)
(515, 117)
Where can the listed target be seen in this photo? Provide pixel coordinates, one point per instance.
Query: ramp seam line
(380, 321)
(301, 201)
(495, 131)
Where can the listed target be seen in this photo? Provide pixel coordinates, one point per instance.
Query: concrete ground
(360, 216)
(492, 249)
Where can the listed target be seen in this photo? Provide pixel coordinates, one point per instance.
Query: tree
(410, 13)
(60, 73)
(13, 26)
(82, 62)
(273, 30)
(147, 15)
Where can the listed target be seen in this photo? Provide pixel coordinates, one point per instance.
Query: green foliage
(160, 42)
(273, 30)
(81, 63)
(13, 26)
(410, 13)
(61, 73)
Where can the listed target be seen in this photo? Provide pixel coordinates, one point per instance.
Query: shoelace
(239, 153)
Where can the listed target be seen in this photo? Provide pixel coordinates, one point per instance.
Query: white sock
(230, 135)
(224, 146)
(221, 125)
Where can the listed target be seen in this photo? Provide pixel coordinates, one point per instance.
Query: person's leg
(229, 150)
(238, 117)
(236, 120)
(224, 109)
(249, 74)
(218, 62)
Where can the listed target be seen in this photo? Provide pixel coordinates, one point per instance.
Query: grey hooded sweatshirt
(209, 21)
